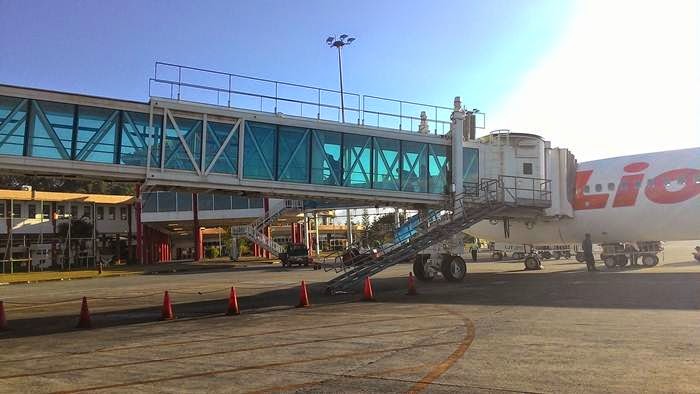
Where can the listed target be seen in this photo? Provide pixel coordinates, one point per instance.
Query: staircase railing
(254, 232)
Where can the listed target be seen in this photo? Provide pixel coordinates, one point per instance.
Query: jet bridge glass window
(325, 158)
(414, 167)
(259, 151)
(470, 170)
(135, 137)
(97, 133)
(219, 134)
(386, 162)
(357, 156)
(52, 130)
(176, 155)
(437, 169)
(13, 118)
(293, 154)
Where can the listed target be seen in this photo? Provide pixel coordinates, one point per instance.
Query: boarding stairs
(254, 231)
(432, 228)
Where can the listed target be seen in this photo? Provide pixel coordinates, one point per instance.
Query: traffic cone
(3, 320)
(368, 293)
(233, 303)
(303, 296)
(411, 285)
(167, 311)
(85, 321)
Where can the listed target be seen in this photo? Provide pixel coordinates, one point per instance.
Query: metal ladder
(254, 232)
(470, 210)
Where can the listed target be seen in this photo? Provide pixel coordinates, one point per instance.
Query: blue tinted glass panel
(239, 203)
(176, 156)
(259, 156)
(135, 137)
(184, 201)
(222, 202)
(150, 202)
(470, 167)
(414, 167)
(166, 202)
(357, 154)
(52, 130)
(293, 154)
(256, 202)
(386, 164)
(216, 136)
(96, 136)
(325, 157)
(205, 202)
(437, 169)
(13, 121)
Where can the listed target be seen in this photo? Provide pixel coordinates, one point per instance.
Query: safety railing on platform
(194, 84)
(525, 191)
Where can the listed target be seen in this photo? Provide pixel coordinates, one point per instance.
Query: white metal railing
(254, 232)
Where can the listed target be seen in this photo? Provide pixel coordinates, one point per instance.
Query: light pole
(339, 43)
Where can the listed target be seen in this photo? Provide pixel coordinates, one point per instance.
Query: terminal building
(293, 148)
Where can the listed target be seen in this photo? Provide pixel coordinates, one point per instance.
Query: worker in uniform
(474, 250)
(587, 246)
(696, 254)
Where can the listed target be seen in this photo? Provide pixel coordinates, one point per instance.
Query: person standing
(587, 246)
(474, 250)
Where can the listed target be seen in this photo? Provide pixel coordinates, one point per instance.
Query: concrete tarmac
(503, 329)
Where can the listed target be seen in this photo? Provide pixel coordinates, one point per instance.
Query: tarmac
(503, 329)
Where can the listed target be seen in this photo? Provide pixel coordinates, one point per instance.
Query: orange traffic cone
(167, 311)
(233, 303)
(3, 320)
(85, 321)
(368, 293)
(411, 285)
(303, 296)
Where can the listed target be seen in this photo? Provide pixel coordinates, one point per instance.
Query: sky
(602, 78)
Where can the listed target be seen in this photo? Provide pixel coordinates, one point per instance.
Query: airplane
(640, 198)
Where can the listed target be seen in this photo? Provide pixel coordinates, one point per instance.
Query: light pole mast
(339, 43)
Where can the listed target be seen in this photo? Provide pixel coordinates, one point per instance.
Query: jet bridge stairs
(470, 209)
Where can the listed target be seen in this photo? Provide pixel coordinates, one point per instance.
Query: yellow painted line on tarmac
(446, 364)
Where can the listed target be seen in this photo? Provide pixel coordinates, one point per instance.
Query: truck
(296, 254)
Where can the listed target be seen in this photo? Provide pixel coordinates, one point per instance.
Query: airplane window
(611, 186)
(681, 180)
(697, 179)
(598, 187)
(587, 189)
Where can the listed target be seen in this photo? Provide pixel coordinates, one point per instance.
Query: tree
(381, 230)
(365, 224)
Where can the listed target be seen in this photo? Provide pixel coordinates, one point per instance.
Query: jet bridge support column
(457, 131)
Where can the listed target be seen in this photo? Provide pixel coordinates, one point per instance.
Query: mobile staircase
(254, 231)
(430, 229)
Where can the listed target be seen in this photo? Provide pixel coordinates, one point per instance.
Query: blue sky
(517, 60)
(422, 51)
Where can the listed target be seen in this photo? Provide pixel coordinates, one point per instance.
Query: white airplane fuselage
(646, 197)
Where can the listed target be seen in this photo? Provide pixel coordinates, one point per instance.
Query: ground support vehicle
(620, 254)
(296, 254)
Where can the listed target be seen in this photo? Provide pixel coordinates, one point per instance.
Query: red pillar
(196, 231)
(139, 227)
(266, 230)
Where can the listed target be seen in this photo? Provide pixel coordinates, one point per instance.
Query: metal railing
(179, 82)
(525, 190)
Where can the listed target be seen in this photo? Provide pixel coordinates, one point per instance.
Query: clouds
(623, 80)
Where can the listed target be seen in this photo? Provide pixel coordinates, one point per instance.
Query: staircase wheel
(453, 268)
(650, 260)
(532, 263)
(610, 261)
(419, 269)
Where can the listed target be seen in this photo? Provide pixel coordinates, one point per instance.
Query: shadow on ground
(571, 289)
